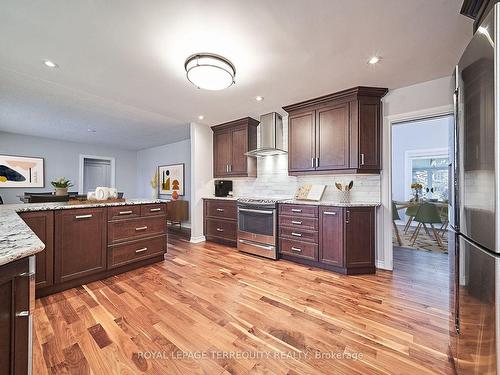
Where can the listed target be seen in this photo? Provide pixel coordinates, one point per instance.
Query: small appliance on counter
(223, 188)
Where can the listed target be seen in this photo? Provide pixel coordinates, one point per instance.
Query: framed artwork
(21, 171)
(170, 178)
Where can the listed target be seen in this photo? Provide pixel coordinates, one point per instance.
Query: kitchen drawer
(153, 209)
(299, 234)
(132, 251)
(299, 222)
(136, 228)
(221, 209)
(224, 229)
(123, 212)
(299, 210)
(299, 249)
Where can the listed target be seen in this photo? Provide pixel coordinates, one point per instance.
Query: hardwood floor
(211, 310)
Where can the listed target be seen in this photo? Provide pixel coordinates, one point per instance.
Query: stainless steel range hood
(271, 136)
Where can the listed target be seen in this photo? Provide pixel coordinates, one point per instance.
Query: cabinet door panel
(360, 237)
(369, 135)
(301, 141)
(239, 145)
(222, 152)
(332, 137)
(332, 236)
(80, 247)
(42, 224)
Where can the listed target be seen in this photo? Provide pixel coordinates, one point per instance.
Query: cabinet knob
(220, 230)
(296, 210)
(141, 250)
(296, 222)
(22, 314)
(329, 213)
(296, 249)
(125, 212)
(220, 209)
(155, 209)
(141, 228)
(347, 216)
(362, 159)
(296, 234)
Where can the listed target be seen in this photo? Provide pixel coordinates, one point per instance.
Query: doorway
(420, 191)
(95, 171)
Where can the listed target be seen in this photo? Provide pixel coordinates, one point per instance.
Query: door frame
(81, 165)
(384, 233)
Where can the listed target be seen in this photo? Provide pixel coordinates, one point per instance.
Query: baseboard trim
(197, 239)
(380, 264)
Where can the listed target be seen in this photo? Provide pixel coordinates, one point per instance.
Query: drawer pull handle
(296, 249)
(155, 209)
(220, 209)
(141, 250)
(296, 234)
(296, 210)
(83, 216)
(220, 230)
(296, 222)
(141, 228)
(329, 213)
(22, 314)
(125, 212)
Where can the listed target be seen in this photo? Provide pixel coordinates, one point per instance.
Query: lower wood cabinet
(220, 221)
(80, 243)
(133, 251)
(16, 307)
(340, 239)
(42, 224)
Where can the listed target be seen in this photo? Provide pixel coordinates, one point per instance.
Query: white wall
(62, 160)
(404, 104)
(414, 136)
(201, 176)
(149, 159)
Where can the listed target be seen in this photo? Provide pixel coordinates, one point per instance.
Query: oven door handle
(256, 245)
(271, 212)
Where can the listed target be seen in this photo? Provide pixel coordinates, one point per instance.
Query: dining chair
(411, 211)
(427, 213)
(395, 216)
(444, 219)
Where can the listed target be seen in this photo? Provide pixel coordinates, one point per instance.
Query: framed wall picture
(21, 171)
(171, 178)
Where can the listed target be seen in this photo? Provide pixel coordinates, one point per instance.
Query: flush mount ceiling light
(259, 98)
(209, 71)
(373, 60)
(50, 64)
(201, 117)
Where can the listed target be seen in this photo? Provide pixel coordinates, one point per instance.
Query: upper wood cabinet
(231, 141)
(336, 133)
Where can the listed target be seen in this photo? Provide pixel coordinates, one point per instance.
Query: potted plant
(61, 185)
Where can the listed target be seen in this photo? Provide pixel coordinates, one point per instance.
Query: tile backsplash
(273, 180)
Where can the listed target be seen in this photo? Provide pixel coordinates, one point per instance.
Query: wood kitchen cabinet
(42, 224)
(80, 243)
(340, 239)
(336, 133)
(220, 221)
(17, 297)
(231, 141)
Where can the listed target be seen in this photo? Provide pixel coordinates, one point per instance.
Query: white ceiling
(122, 61)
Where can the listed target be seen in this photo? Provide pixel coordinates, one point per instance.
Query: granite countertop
(18, 241)
(221, 198)
(332, 203)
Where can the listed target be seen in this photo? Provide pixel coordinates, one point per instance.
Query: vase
(154, 194)
(61, 191)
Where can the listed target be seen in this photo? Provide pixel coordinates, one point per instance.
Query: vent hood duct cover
(271, 136)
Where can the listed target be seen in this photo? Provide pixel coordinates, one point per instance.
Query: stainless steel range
(257, 227)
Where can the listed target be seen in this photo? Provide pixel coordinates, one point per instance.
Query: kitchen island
(50, 247)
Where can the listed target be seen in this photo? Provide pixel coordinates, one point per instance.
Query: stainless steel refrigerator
(474, 211)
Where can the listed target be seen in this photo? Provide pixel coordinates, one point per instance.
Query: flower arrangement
(154, 185)
(61, 182)
(417, 187)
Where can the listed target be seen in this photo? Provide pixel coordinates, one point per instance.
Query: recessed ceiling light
(373, 60)
(209, 71)
(259, 98)
(50, 64)
(201, 117)
(91, 130)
